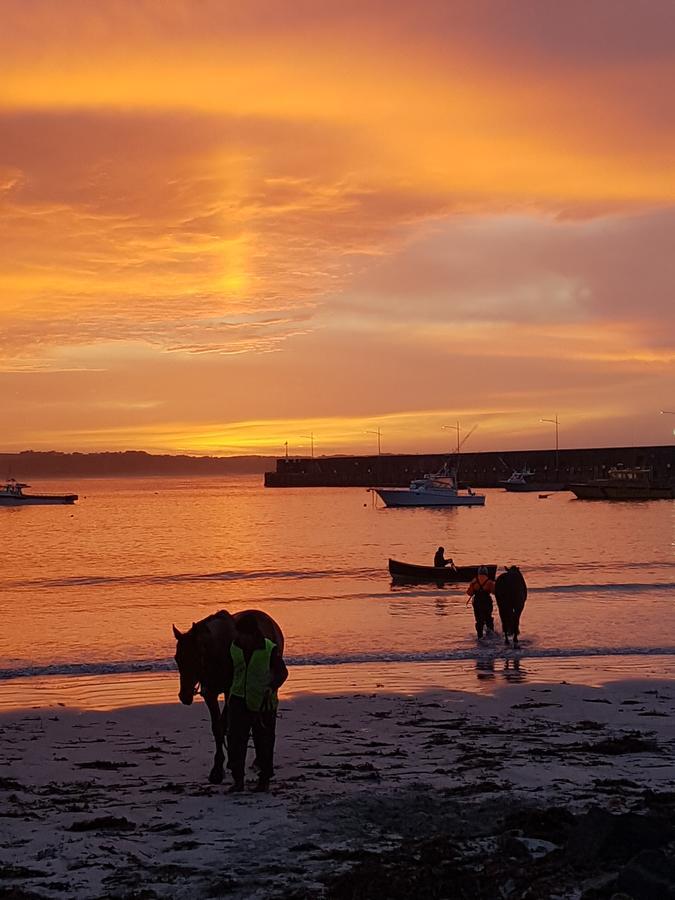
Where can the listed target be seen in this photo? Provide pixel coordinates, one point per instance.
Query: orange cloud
(185, 187)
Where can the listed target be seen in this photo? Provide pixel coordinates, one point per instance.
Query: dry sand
(117, 804)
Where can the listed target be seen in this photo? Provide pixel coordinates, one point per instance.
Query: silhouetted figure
(205, 667)
(511, 594)
(480, 590)
(256, 672)
(440, 562)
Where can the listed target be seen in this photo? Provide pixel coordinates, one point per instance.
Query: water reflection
(186, 548)
(513, 671)
(485, 668)
(510, 669)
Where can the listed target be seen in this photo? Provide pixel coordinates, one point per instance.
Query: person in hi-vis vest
(257, 672)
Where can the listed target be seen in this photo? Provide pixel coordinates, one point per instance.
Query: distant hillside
(52, 464)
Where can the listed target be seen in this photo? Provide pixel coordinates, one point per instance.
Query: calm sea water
(94, 588)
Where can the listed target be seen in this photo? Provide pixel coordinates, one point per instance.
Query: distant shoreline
(93, 476)
(126, 464)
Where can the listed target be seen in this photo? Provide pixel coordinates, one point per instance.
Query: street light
(668, 412)
(556, 423)
(453, 428)
(310, 436)
(379, 440)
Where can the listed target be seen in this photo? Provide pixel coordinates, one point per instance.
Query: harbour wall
(476, 469)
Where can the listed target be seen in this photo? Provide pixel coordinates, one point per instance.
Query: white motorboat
(11, 494)
(440, 489)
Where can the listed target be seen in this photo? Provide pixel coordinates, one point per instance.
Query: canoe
(411, 572)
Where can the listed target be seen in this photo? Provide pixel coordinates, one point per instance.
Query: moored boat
(625, 483)
(11, 494)
(521, 482)
(411, 572)
(440, 489)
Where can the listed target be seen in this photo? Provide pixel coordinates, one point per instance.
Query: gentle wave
(626, 587)
(130, 667)
(308, 575)
(183, 577)
(589, 566)
(629, 587)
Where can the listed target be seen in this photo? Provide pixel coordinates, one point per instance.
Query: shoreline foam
(543, 661)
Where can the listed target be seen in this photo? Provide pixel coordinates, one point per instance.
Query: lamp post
(453, 428)
(556, 423)
(379, 440)
(286, 448)
(311, 442)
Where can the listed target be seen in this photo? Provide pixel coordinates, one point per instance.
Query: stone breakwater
(477, 469)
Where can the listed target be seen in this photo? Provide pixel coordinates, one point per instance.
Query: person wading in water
(481, 589)
(256, 672)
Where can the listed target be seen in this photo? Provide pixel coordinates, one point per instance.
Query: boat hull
(38, 500)
(460, 574)
(404, 498)
(621, 492)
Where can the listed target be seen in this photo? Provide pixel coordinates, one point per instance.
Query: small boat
(440, 489)
(624, 483)
(412, 573)
(11, 494)
(520, 482)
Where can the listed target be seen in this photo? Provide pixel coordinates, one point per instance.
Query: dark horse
(202, 659)
(511, 594)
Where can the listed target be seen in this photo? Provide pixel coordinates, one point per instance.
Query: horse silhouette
(511, 594)
(202, 660)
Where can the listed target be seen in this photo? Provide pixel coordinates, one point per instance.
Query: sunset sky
(226, 225)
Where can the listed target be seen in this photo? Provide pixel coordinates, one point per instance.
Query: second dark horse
(201, 657)
(511, 594)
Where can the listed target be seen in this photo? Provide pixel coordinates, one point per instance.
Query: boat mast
(460, 443)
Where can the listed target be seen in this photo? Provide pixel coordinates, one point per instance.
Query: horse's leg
(224, 724)
(503, 618)
(217, 727)
(517, 611)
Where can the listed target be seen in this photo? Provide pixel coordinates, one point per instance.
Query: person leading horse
(203, 657)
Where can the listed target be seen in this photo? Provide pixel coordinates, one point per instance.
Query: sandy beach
(115, 803)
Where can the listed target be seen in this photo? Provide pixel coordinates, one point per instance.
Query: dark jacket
(440, 561)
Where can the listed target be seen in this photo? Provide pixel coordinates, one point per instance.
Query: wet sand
(490, 669)
(116, 803)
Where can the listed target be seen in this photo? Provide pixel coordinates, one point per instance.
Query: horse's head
(190, 661)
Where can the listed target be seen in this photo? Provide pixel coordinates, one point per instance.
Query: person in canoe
(440, 562)
(480, 591)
